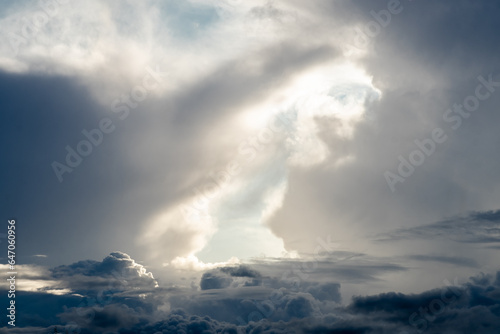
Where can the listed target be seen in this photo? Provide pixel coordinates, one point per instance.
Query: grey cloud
(420, 78)
(212, 281)
(465, 262)
(476, 227)
(299, 307)
(180, 322)
(225, 277)
(327, 291)
(241, 271)
(472, 307)
(481, 279)
(118, 271)
(357, 268)
(108, 318)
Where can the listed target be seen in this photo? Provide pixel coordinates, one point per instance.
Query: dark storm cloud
(180, 322)
(299, 307)
(104, 319)
(385, 313)
(481, 279)
(278, 284)
(212, 281)
(241, 271)
(436, 311)
(39, 308)
(224, 277)
(232, 298)
(471, 307)
(327, 291)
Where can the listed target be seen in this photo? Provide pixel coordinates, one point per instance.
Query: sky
(257, 166)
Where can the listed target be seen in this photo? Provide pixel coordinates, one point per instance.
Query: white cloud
(192, 263)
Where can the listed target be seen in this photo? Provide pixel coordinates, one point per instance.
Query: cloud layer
(241, 299)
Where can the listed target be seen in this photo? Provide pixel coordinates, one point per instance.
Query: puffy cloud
(180, 322)
(327, 291)
(435, 311)
(115, 270)
(225, 277)
(299, 307)
(78, 292)
(103, 319)
(241, 271)
(211, 281)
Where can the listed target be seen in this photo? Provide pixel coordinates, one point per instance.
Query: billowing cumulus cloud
(116, 268)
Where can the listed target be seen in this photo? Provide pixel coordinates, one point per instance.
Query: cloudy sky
(251, 166)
